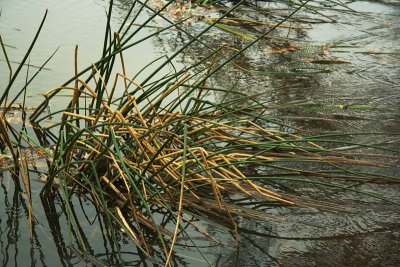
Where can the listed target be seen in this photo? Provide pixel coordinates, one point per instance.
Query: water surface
(361, 95)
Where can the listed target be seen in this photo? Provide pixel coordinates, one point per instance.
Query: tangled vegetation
(161, 145)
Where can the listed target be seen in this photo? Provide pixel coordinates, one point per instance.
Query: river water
(358, 91)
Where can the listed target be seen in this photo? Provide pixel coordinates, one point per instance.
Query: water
(361, 95)
(67, 25)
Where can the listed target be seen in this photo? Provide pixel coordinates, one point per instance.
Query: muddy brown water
(360, 94)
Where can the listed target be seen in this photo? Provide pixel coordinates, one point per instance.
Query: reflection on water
(361, 95)
(86, 237)
(52, 244)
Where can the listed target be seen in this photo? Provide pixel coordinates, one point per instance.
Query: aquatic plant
(160, 145)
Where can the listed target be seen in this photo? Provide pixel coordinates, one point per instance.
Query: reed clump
(142, 150)
(138, 147)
